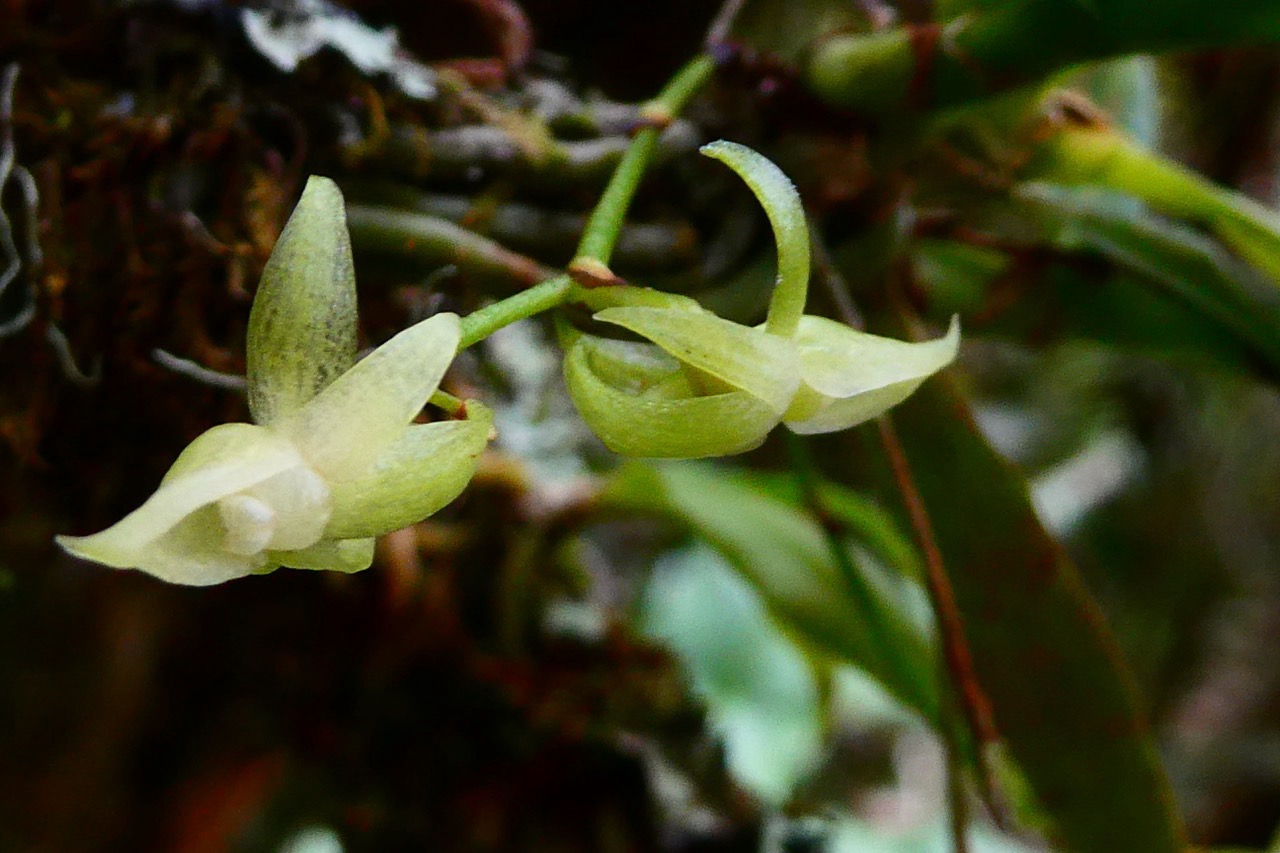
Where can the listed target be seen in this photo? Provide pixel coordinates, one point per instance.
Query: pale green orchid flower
(704, 386)
(334, 458)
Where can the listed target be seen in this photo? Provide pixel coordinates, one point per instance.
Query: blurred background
(583, 656)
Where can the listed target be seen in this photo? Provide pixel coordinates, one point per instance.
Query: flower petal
(422, 471)
(302, 328)
(781, 203)
(765, 366)
(220, 462)
(332, 555)
(657, 425)
(349, 424)
(878, 373)
(192, 554)
(839, 361)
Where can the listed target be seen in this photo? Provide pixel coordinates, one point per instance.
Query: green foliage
(1060, 694)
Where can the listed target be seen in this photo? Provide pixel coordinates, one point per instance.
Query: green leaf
(1062, 698)
(760, 689)
(997, 46)
(1098, 156)
(302, 327)
(351, 423)
(1184, 265)
(785, 556)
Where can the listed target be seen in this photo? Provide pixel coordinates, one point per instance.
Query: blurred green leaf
(1185, 265)
(1088, 292)
(783, 553)
(1062, 698)
(761, 693)
(852, 835)
(1100, 157)
(995, 46)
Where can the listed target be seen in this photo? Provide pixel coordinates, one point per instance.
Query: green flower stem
(541, 297)
(605, 224)
(606, 220)
(450, 404)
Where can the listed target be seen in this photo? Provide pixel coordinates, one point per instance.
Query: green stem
(479, 325)
(606, 220)
(445, 401)
(605, 224)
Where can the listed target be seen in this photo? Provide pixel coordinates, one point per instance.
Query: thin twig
(956, 656)
(955, 650)
(204, 375)
(8, 168)
(67, 361)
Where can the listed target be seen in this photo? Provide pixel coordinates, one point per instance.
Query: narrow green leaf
(1062, 697)
(786, 557)
(1188, 267)
(1099, 156)
(995, 46)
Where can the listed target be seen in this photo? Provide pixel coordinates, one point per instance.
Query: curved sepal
(781, 203)
(662, 424)
(349, 424)
(851, 376)
(742, 358)
(422, 471)
(302, 327)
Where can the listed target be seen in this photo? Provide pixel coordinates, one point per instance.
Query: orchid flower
(333, 459)
(704, 386)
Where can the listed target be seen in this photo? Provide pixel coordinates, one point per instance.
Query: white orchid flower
(333, 459)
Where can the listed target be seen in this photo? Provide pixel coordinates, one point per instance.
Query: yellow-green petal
(839, 361)
(781, 203)
(851, 377)
(192, 554)
(222, 461)
(302, 327)
(655, 425)
(421, 472)
(349, 424)
(765, 366)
